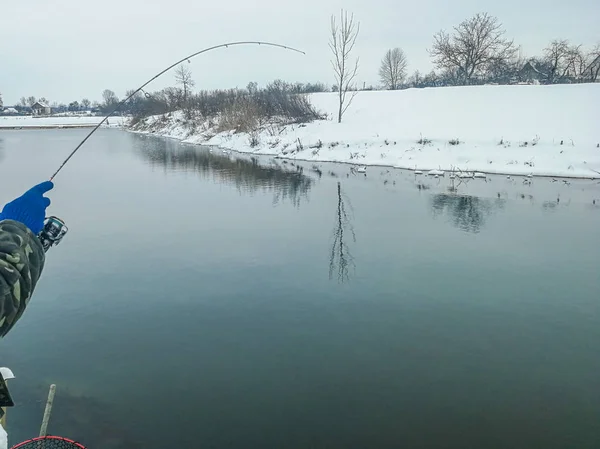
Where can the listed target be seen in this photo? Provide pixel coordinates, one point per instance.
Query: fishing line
(187, 58)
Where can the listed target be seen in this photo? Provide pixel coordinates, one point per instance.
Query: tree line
(25, 104)
(477, 51)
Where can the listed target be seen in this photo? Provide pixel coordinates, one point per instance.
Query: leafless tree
(393, 69)
(576, 61)
(23, 102)
(86, 103)
(341, 42)
(183, 76)
(340, 259)
(475, 44)
(109, 97)
(556, 56)
(1, 103)
(31, 101)
(593, 69)
(44, 100)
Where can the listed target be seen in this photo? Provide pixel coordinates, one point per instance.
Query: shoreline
(26, 127)
(423, 169)
(523, 131)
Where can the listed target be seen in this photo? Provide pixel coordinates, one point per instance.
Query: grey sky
(70, 49)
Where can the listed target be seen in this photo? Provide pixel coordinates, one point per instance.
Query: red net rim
(75, 444)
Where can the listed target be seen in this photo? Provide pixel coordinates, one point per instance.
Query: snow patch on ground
(27, 121)
(470, 131)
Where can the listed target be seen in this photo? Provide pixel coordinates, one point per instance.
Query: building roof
(40, 104)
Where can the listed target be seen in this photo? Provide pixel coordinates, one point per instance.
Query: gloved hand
(30, 208)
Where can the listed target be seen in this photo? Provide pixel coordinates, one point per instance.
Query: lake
(208, 299)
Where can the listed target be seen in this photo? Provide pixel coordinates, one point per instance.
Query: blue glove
(30, 208)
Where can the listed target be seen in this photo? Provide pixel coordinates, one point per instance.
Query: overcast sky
(66, 50)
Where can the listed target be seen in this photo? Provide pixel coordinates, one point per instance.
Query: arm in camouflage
(21, 263)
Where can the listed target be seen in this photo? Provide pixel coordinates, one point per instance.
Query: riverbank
(56, 122)
(517, 130)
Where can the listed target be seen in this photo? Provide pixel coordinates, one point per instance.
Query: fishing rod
(187, 58)
(54, 228)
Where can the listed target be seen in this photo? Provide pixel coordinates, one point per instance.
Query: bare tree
(31, 101)
(556, 56)
(576, 61)
(476, 43)
(593, 69)
(85, 103)
(109, 97)
(341, 259)
(1, 103)
(44, 100)
(23, 102)
(341, 42)
(393, 69)
(183, 76)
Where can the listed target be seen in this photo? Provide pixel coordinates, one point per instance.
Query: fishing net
(49, 442)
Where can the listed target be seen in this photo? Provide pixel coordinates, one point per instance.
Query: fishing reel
(52, 233)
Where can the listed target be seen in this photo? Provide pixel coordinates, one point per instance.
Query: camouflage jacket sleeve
(21, 262)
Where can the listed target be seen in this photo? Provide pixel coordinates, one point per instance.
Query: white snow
(436, 173)
(27, 121)
(519, 130)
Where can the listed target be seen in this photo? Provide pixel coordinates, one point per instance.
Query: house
(532, 73)
(10, 111)
(40, 108)
(592, 71)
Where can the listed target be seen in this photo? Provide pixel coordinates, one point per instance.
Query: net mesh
(49, 442)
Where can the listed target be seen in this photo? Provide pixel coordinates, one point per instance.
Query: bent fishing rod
(187, 58)
(54, 228)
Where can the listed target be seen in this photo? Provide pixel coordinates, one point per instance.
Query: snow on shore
(27, 121)
(523, 130)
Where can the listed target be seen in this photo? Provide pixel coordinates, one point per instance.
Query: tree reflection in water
(247, 175)
(468, 213)
(341, 261)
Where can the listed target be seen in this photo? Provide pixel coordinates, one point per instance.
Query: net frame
(49, 442)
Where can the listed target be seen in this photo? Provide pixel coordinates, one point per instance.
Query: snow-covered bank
(525, 130)
(56, 121)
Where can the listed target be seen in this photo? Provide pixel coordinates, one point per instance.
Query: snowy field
(524, 130)
(55, 122)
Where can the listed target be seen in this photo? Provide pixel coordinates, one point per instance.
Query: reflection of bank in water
(77, 417)
(465, 212)
(286, 180)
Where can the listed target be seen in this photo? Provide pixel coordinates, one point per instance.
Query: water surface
(207, 299)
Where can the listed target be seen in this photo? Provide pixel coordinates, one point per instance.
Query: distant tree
(172, 97)
(415, 79)
(576, 61)
(593, 69)
(44, 100)
(183, 77)
(430, 80)
(31, 101)
(1, 103)
(95, 105)
(315, 87)
(74, 106)
(110, 99)
(23, 102)
(393, 69)
(475, 44)
(556, 55)
(85, 104)
(341, 42)
(252, 87)
(62, 107)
